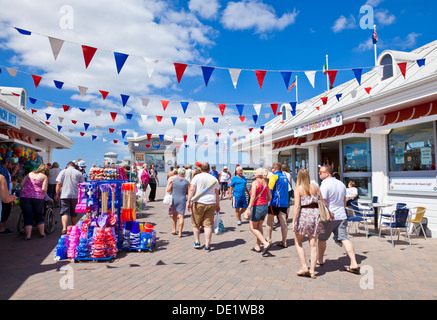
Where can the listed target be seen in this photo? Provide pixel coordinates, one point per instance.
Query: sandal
(305, 273)
(254, 250)
(280, 244)
(352, 270)
(266, 249)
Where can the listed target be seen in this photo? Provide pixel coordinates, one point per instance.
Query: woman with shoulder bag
(306, 221)
(258, 208)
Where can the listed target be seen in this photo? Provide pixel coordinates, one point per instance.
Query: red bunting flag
(115, 141)
(104, 94)
(260, 74)
(66, 108)
(185, 138)
(318, 108)
(324, 100)
(164, 104)
(403, 68)
(180, 69)
(368, 90)
(218, 134)
(147, 145)
(242, 118)
(159, 118)
(74, 121)
(47, 123)
(274, 107)
(88, 54)
(222, 108)
(82, 133)
(332, 74)
(113, 116)
(250, 129)
(111, 130)
(33, 111)
(36, 80)
(149, 136)
(202, 120)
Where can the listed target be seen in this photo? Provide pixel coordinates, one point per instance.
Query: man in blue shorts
(278, 185)
(237, 193)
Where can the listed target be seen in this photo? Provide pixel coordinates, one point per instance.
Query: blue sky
(281, 35)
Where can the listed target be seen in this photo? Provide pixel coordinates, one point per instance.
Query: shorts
(258, 213)
(203, 215)
(68, 207)
(338, 227)
(276, 210)
(239, 202)
(223, 186)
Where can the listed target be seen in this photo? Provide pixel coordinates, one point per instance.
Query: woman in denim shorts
(258, 208)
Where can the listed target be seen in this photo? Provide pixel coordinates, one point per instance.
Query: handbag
(168, 199)
(325, 214)
(218, 227)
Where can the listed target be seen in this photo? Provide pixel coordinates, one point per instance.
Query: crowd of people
(199, 190)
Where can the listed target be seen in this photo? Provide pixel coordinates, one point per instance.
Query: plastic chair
(352, 218)
(420, 212)
(375, 199)
(400, 219)
(363, 214)
(391, 209)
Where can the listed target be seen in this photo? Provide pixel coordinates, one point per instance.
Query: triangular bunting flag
(58, 84)
(93, 137)
(86, 125)
(338, 96)
(242, 118)
(59, 128)
(104, 94)
(311, 75)
(222, 108)
(257, 108)
(274, 108)
(332, 74)
(161, 137)
(185, 138)
(145, 102)
(123, 133)
(82, 90)
(240, 108)
(60, 119)
(48, 115)
(318, 108)
(215, 119)
(196, 137)
(82, 109)
(324, 100)
(56, 45)
(260, 74)
(113, 115)
(98, 113)
(144, 117)
(368, 90)
(180, 69)
(207, 71)
(202, 106)
(357, 73)
(82, 133)
(88, 54)
(202, 120)
(421, 62)
(403, 68)
(49, 104)
(255, 118)
(150, 65)
(379, 70)
(36, 80)
(184, 106)
(120, 59)
(293, 108)
(24, 32)
(173, 119)
(286, 75)
(74, 121)
(159, 118)
(235, 74)
(47, 123)
(12, 72)
(111, 130)
(115, 141)
(32, 100)
(149, 136)
(147, 145)
(65, 107)
(129, 116)
(164, 104)
(267, 115)
(124, 99)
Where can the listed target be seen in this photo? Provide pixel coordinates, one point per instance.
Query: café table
(376, 209)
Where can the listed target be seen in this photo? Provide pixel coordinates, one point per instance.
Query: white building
(381, 134)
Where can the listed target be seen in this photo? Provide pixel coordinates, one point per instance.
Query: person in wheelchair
(33, 190)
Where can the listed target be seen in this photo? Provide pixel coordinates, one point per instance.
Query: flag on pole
(325, 66)
(374, 36)
(294, 84)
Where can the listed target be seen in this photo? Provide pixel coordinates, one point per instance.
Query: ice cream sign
(328, 122)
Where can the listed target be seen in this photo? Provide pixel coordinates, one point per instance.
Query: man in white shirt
(205, 206)
(334, 193)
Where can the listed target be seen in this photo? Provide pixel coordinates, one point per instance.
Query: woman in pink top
(33, 188)
(258, 208)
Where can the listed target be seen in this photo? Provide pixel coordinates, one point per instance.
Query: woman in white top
(224, 177)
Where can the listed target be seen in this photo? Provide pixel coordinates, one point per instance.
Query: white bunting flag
(144, 118)
(49, 104)
(150, 64)
(235, 74)
(61, 119)
(12, 72)
(56, 45)
(257, 108)
(98, 113)
(145, 102)
(82, 90)
(380, 71)
(202, 106)
(311, 75)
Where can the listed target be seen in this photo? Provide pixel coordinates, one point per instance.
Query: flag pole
(327, 76)
(297, 96)
(374, 46)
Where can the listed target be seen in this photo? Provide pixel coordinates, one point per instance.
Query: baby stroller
(49, 219)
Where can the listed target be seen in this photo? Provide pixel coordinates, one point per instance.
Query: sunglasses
(321, 171)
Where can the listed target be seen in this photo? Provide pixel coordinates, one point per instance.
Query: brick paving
(176, 271)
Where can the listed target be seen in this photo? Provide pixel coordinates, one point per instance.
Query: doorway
(331, 151)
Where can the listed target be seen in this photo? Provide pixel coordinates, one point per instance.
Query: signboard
(9, 118)
(328, 122)
(139, 157)
(413, 184)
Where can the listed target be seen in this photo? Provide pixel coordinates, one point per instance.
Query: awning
(354, 127)
(288, 143)
(17, 137)
(411, 113)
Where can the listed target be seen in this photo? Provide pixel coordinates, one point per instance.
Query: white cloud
(207, 9)
(398, 43)
(246, 15)
(343, 23)
(374, 3)
(384, 17)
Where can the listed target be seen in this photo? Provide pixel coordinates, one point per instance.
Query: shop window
(412, 148)
(357, 155)
(302, 161)
(363, 185)
(284, 113)
(157, 160)
(387, 62)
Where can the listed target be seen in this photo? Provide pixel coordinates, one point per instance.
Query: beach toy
(147, 227)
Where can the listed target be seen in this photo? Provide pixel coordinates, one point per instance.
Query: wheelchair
(49, 219)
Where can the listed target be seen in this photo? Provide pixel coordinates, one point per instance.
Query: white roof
(355, 100)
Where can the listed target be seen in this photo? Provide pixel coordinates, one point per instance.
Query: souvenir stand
(109, 223)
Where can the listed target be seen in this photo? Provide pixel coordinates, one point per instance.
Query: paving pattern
(231, 271)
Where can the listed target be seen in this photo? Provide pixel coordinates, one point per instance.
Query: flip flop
(254, 250)
(266, 249)
(303, 273)
(280, 244)
(352, 270)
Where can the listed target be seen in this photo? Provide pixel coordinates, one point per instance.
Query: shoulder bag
(325, 214)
